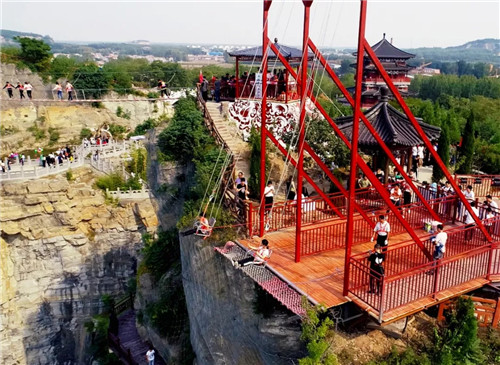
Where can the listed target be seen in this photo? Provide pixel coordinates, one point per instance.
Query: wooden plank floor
(320, 276)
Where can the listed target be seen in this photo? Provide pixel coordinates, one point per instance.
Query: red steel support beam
(420, 131)
(263, 108)
(306, 175)
(302, 125)
(354, 149)
(372, 130)
(366, 170)
(308, 147)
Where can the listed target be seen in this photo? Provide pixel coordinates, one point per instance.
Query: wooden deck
(320, 276)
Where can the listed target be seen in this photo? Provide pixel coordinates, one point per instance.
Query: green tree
(255, 173)
(91, 80)
(118, 76)
(34, 53)
(468, 146)
(443, 152)
(62, 68)
(317, 328)
(456, 342)
(184, 137)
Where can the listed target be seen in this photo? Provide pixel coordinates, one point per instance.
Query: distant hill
(8, 37)
(481, 50)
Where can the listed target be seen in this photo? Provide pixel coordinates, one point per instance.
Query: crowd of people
(225, 86)
(28, 88)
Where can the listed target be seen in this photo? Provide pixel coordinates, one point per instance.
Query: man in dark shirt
(376, 269)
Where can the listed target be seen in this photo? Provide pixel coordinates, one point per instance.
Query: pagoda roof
(256, 53)
(392, 126)
(384, 49)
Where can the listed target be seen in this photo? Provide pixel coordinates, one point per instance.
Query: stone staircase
(130, 339)
(229, 132)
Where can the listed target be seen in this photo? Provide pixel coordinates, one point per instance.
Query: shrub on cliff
(184, 138)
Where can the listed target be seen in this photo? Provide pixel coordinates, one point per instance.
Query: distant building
(394, 62)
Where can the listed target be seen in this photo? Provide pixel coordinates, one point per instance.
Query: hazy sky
(333, 23)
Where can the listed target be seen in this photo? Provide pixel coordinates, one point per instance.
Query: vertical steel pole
(302, 126)
(263, 109)
(354, 145)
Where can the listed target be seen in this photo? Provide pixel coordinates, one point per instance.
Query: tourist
(150, 356)
(439, 242)
(269, 195)
(376, 269)
(420, 150)
(202, 225)
(257, 255)
(406, 193)
(242, 190)
(490, 203)
(28, 87)
(469, 194)
(2, 165)
(59, 91)
(238, 179)
(290, 188)
(414, 155)
(21, 90)
(217, 84)
(469, 222)
(396, 194)
(204, 89)
(162, 87)
(363, 182)
(489, 219)
(9, 88)
(412, 176)
(69, 90)
(382, 229)
(380, 175)
(447, 189)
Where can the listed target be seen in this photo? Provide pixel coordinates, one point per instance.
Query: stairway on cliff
(130, 339)
(229, 132)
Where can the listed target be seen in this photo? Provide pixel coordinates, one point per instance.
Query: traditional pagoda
(394, 61)
(393, 127)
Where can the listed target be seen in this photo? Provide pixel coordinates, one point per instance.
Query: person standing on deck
(382, 230)
(69, 90)
(439, 243)
(58, 90)
(376, 269)
(150, 356)
(469, 222)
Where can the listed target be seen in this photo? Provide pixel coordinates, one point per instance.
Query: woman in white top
(382, 229)
(269, 194)
(396, 194)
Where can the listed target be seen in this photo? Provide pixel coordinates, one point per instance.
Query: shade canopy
(392, 126)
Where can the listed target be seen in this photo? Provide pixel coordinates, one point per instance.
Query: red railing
(332, 235)
(314, 209)
(482, 185)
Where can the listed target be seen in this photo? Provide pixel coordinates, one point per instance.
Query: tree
(62, 68)
(91, 80)
(457, 342)
(34, 53)
(255, 173)
(443, 152)
(467, 149)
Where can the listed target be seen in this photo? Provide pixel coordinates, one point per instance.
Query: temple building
(394, 61)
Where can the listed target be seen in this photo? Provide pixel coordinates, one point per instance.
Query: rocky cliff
(231, 320)
(62, 248)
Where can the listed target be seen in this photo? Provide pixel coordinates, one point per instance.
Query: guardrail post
(118, 194)
(29, 160)
(35, 171)
(22, 170)
(455, 209)
(436, 268)
(382, 299)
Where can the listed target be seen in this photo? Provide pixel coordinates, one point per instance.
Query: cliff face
(224, 305)
(61, 248)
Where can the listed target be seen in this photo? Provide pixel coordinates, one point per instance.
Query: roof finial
(384, 35)
(384, 94)
(275, 40)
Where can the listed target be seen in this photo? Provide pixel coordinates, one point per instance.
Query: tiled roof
(393, 127)
(256, 52)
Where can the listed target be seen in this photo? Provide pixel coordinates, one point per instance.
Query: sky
(334, 23)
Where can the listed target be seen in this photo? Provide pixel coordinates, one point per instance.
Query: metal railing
(482, 185)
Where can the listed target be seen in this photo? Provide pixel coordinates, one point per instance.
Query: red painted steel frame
(420, 131)
(302, 125)
(354, 147)
(263, 128)
(372, 130)
(361, 163)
